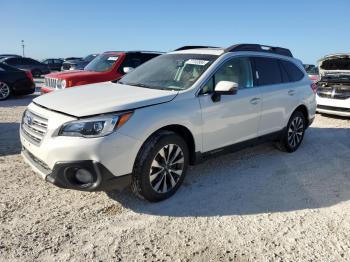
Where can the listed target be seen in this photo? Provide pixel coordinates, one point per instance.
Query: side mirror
(127, 69)
(224, 88)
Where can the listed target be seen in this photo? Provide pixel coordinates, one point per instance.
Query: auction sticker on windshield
(196, 62)
(112, 58)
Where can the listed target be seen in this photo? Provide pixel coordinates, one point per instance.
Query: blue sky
(311, 29)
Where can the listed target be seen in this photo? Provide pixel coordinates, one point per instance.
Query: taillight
(29, 75)
(314, 87)
(314, 78)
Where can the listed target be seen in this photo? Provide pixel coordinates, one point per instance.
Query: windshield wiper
(134, 84)
(147, 86)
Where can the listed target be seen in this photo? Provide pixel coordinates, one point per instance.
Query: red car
(312, 71)
(108, 66)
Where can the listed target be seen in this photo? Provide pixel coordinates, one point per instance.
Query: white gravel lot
(258, 204)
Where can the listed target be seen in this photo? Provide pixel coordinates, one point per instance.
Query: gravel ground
(256, 204)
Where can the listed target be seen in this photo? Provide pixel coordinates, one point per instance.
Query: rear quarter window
(293, 72)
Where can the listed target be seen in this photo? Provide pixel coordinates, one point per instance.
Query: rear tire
(294, 133)
(160, 166)
(5, 91)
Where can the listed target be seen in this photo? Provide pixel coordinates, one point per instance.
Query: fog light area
(83, 176)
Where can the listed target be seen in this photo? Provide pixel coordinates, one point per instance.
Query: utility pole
(22, 41)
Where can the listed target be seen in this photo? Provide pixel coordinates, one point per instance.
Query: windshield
(170, 71)
(89, 58)
(102, 63)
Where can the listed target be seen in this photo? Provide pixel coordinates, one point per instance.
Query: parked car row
(109, 66)
(15, 81)
(331, 75)
(37, 68)
(168, 112)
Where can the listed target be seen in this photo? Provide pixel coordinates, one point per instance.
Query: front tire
(294, 133)
(5, 91)
(160, 167)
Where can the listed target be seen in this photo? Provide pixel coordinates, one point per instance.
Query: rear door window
(284, 74)
(268, 71)
(293, 72)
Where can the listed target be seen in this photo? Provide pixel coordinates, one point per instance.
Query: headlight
(61, 84)
(94, 127)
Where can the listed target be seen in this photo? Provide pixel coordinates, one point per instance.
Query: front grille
(332, 108)
(51, 82)
(34, 127)
(334, 92)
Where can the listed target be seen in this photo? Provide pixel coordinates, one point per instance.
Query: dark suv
(37, 69)
(53, 63)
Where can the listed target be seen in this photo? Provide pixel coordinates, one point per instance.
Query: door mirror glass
(127, 69)
(226, 88)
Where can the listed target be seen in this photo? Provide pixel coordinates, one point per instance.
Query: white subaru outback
(175, 110)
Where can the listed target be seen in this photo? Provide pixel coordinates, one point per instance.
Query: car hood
(72, 74)
(337, 64)
(102, 98)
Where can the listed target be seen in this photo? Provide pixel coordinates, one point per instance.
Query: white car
(174, 110)
(333, 92)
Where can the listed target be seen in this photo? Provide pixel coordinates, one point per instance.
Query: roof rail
(186, 47)
(259, 48)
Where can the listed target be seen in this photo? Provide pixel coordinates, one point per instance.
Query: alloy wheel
(4, 91)
(166, 169)
(295, 131)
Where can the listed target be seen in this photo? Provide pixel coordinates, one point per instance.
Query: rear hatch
(335, 77)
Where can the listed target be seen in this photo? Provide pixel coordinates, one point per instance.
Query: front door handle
(291, 92)
(254, 100)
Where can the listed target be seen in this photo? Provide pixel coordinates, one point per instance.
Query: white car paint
(335, 106)
(330, 105)
(107, 97)
(213, 125)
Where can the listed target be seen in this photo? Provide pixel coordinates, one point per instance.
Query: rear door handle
(254, 100)
(291, 92)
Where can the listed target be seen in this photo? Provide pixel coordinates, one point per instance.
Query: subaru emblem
(29, 120)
